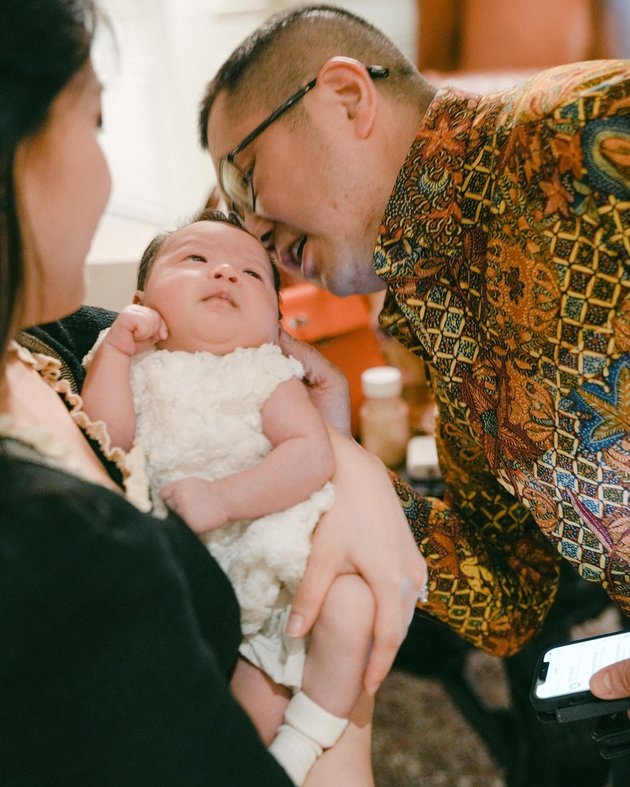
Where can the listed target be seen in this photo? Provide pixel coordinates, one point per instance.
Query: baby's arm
(300, 462)
(107, 392)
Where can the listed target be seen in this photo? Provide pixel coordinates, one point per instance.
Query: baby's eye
(196, 258)
(255, 274)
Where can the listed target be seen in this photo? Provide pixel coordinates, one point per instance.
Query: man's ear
(351, 85)
(138, 297)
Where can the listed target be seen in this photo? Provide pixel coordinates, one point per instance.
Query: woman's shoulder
(65, 541)
(59, 523)
(41, 505)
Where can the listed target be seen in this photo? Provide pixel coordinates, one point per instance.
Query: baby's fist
(197, 502)
(136, 329)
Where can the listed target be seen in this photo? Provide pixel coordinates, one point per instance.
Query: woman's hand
(328, 386)
(365, 533)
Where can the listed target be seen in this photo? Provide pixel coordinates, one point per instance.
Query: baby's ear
(138, 296)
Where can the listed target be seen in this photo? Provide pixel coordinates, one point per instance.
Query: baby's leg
(339, 647)
(349, 761)
(263, 700)
(335, 662)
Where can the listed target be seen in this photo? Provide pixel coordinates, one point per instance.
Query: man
(501, 228)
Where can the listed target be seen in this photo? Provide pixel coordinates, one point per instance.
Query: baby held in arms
(193, 373)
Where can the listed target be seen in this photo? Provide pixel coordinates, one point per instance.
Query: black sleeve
(108, 670)
(73, 337)
(69, 340)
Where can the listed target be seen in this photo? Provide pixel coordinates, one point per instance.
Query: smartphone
(560, 687)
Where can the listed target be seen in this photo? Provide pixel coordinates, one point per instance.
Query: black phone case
(584, 705)
(573, 707)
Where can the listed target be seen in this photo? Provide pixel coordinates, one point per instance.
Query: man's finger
(613, 681)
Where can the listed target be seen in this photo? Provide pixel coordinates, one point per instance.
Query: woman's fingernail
(294, 625)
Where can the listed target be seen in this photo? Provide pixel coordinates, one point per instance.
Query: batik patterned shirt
(505, 248)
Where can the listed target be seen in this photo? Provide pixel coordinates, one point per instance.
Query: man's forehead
(228, 124)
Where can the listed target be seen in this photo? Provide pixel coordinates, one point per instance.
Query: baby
(192, 372)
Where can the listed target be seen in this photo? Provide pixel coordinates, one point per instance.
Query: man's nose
(226, 271)
(261, 228)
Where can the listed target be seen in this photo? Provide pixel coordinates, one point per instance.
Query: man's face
(312, 203)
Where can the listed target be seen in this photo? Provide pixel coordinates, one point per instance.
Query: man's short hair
(291, 47)
(152, 251)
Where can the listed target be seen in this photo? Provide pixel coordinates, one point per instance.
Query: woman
(118, 632)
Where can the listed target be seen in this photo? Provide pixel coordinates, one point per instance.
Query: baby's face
(213, 285)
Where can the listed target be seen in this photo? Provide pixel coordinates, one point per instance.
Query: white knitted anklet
(307, 730)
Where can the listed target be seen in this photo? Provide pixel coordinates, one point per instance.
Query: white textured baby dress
(199, 414)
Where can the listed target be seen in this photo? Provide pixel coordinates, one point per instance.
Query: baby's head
(214, 284)
(153, 249)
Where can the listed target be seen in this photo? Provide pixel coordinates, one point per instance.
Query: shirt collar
(423, 214)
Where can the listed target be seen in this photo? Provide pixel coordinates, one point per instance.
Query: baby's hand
(198, 502)
(136, 329)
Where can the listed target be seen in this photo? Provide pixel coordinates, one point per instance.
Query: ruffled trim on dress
(131, 465)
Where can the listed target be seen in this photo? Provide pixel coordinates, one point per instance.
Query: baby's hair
(153, 249)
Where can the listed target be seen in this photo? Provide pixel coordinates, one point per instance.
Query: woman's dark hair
(43, 45)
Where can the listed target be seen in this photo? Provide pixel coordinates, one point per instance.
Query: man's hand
(198, 502)
(136, 329)
(612, 682)
(327, 385)
(364, 533)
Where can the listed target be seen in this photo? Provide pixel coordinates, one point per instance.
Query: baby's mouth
(220, 296)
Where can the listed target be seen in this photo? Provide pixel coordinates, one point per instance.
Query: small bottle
(384, 415)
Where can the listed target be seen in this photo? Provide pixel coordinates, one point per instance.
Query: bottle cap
(380, 382)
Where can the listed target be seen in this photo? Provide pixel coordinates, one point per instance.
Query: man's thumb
(612, 682)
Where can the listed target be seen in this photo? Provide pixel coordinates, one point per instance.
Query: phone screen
(567, 669)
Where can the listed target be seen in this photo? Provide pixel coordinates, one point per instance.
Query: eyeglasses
(239, 185)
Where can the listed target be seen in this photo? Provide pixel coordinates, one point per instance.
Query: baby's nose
(226, 271)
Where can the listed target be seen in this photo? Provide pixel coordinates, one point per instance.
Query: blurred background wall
(155, 67)
(163, 52)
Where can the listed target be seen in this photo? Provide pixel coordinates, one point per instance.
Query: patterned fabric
(506, 252)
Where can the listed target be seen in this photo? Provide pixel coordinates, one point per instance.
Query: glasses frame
(375, 72)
